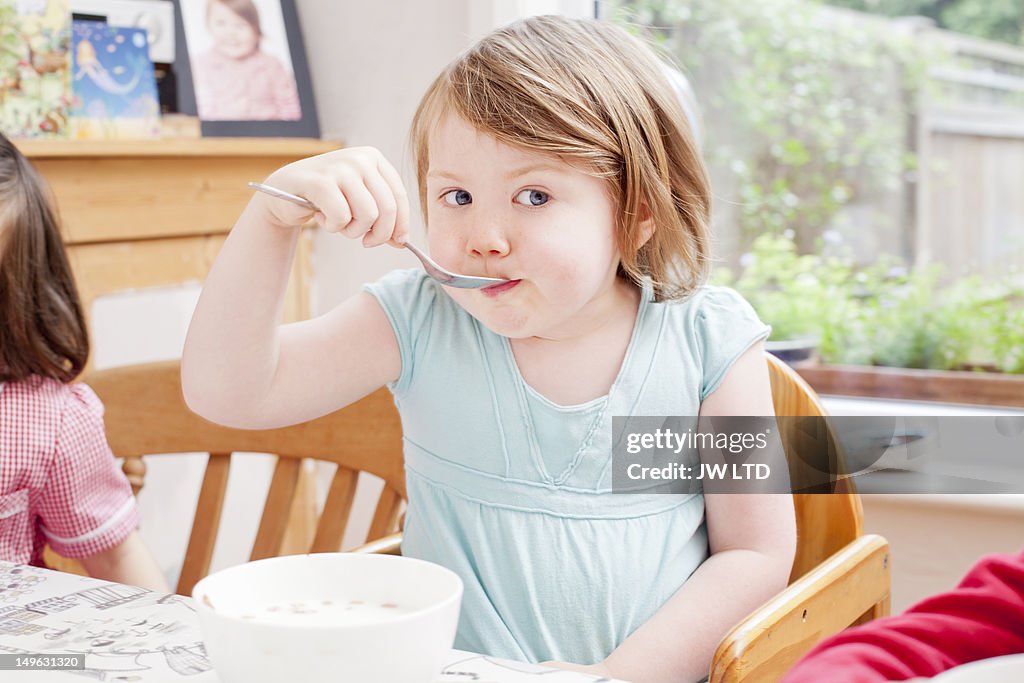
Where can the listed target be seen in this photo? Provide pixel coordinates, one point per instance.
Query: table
(131, 634)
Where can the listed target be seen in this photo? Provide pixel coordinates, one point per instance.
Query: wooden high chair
(146, 415)
(840, 576)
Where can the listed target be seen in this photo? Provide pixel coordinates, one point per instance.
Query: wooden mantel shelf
(154, 213)
(130, 190)
(176, 147)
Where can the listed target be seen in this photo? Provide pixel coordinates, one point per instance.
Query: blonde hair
(594, 96)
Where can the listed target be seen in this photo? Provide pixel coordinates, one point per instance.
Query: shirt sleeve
(407, 297)
(983, 617)
(87, 505)
(726, 326)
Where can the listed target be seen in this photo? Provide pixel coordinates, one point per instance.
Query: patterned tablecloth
(130, 634)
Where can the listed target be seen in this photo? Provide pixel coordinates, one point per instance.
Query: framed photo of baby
(247, 67)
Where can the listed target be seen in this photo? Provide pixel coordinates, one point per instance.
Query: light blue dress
(512, 491)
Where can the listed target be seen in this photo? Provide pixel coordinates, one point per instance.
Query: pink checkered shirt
(59, 482)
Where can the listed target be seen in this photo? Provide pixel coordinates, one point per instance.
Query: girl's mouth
(495, 290)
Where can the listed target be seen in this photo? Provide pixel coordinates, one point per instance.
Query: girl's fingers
(358, 192)
(335, 212)
(394, 181)
(384, 226)
(361, 203)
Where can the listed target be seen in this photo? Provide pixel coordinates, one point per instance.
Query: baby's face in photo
(232, 35)
(501, 211)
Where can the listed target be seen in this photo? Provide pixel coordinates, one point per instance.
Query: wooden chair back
(146, 415)
(830, 516)
(840, 576)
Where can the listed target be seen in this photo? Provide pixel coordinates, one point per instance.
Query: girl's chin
(513, 327)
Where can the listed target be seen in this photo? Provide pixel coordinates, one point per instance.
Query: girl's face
(500, 211)
(232, 35)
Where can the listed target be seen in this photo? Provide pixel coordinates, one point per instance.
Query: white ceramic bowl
(329, 617)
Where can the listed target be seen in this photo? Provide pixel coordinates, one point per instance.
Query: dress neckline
(523, 390)
(646, 294)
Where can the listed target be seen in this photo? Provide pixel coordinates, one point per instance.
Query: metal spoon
(445, 277)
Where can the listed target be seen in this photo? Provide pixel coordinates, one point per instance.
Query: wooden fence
(970, 144)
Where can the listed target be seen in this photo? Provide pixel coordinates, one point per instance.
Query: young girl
(554, 154)
(59, 482)
(235, 80)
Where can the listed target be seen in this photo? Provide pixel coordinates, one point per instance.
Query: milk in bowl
(329, 617)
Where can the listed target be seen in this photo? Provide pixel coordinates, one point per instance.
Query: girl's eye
(457, 198)
(533, 197)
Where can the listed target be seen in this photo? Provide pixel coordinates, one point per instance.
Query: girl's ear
(645, 225)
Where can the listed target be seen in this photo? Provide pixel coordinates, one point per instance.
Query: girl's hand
(359, 193)
(592, 669)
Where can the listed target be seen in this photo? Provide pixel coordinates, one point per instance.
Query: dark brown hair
(590, 94)
(42, 328)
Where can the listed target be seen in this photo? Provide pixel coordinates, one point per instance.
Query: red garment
(59, 482)
(982, 617)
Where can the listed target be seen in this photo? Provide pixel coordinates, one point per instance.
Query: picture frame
(266, 92)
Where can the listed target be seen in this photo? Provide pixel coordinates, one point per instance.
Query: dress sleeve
(87, 505)
(726, 326)
(408, 298)
(983, 617)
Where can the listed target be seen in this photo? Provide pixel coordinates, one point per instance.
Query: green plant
(784, 287)
(882, 314)
(993, 19)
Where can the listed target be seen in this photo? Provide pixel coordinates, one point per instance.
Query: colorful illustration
(113, 83)
(35, 89)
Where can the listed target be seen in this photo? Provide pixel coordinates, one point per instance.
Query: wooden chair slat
(206, 523)
(385, 517)
(826, 522)
(337, 508)
(276, 509)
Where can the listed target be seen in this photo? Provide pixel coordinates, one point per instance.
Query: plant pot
(793, 351)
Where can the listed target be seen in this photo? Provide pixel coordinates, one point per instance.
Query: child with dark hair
(59, 482)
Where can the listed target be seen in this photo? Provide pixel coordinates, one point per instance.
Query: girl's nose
(487, 241)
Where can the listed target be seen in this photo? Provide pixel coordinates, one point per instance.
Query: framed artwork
(241, 67)
(112, 82)
(35, 68)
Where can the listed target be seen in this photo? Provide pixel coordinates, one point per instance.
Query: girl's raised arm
(242, 367)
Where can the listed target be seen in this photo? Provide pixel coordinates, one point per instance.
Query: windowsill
(847, 405)
(1011, 504)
